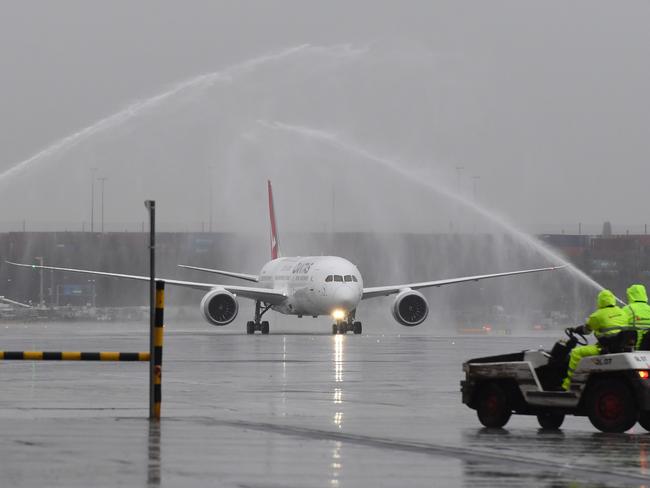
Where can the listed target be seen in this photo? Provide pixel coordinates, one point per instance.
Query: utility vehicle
(612, 389)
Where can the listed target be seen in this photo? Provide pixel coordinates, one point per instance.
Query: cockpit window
(338, 278)
(354, 278)
(348, 278)
(329, 278)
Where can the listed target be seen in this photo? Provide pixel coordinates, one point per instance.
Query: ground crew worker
(637, 311)
(607, 321)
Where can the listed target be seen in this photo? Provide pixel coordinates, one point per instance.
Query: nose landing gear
(258, 323)
(345, 326)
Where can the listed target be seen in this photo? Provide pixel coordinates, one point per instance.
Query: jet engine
(410, 308)
(219, 307)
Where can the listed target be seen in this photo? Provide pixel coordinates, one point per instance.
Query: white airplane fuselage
(314, 285)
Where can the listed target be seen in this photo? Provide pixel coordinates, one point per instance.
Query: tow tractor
(612, 389)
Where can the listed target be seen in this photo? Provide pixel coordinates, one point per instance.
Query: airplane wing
(263, 294)
(14, 302)
(242, 276)
(378, 291)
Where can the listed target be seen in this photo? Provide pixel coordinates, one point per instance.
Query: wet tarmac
(284, 410)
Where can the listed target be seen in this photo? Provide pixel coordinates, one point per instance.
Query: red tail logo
(275, 244)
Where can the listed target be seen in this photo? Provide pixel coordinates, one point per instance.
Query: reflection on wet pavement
(284, 410)
(153, 471)
(621, 459)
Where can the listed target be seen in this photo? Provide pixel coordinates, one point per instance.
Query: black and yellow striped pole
(156, 356)
(73, 356)
(156, 288)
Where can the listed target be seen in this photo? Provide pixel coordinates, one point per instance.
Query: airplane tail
(275, 243)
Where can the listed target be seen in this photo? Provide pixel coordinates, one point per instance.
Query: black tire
(356, 327)
(265, 327)
(550, 420)
(335, 329)
(611, 406)
(493, 406)
(250, 327)
(644, 420)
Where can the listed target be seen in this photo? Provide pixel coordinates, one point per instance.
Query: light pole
(93, 293)
(92, 199)
(333, 208)
(210, 174)
(41, 304)
(459, 170)
(458, 210)
(474, 185)
(51, 290)
(103, 180)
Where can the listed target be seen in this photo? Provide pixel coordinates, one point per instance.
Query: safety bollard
(156, 358)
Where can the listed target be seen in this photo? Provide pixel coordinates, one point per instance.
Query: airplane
(303, 286)
(14, 302)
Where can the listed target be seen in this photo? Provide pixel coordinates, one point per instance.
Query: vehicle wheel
(611, 406)
(550, 420)
(335, 329)
(356, 327)
(644, 420)
(493, 406)
(265, 327)
(250, 327)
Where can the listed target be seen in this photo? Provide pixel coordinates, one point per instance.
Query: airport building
(615, 261)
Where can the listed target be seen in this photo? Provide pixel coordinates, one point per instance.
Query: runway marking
(591, 472)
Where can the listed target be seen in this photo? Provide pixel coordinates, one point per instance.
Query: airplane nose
(347, 298)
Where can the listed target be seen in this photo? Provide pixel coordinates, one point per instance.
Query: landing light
(643, 374)
(338, 314)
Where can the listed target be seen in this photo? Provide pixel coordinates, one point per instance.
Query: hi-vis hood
(636, 293)
(606, 299)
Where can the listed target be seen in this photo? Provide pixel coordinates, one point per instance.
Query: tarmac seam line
(595, 473)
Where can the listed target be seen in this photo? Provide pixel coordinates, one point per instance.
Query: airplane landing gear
(258, 323)
(345, 326)
(356, 327)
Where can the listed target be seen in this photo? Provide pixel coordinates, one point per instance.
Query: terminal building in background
(542, 300)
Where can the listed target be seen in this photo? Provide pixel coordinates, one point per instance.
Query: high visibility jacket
(637, 311)
(609, 319)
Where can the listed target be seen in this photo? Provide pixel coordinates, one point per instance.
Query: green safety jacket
(609, 319)
(637, 311)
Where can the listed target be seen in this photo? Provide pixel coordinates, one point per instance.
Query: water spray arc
(200, 84)
(141, 107)
(339, 143)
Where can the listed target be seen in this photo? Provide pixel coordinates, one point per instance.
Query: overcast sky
(546, 102)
